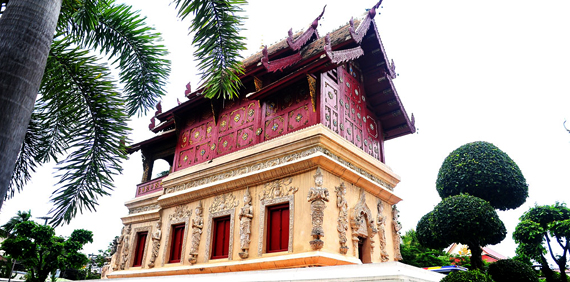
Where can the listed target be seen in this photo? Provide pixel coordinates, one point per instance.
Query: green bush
(467, 276)
(482, 170)
(509, 270)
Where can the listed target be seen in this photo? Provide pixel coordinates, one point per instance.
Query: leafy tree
(462, 219)
(540, 229)
(467, 276)
(79, 110)
(482, 170)
(413, 253)
(507, 270)
(38, 249)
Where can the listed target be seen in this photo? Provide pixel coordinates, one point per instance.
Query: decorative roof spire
(358, 33)
(304, 38)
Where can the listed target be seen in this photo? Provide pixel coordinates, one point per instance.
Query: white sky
(469, 70)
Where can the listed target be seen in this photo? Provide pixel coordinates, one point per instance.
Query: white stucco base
(386, 272)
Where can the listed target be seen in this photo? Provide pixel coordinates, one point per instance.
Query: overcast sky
(486, 70)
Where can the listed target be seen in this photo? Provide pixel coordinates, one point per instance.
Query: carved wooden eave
(279, 64)
(341, 56)
(297, 44)
(159, 139)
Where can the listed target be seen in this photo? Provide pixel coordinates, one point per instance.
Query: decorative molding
(128, 260)
(274, 162)
(197, 225)
(396, 233)
(317, 196)
(223, 202)
(277, 189)
(181, 213)
(144, 208)
(279, 64)
(381, 225)
(245, 217)
(342, 221)
(156, 239)
(262, 209)
(231, 212)
(362, 223)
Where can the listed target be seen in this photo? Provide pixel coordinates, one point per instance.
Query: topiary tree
(467, 276)
(507, 270)
(541, 228)
(483, 170)
(462, 219)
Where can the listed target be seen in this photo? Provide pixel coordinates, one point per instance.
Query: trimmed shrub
(482, 170)
(510, 270)
(467, 276)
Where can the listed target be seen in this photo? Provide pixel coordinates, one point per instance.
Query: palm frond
(216, 24)
(83, 95)
(122, 34)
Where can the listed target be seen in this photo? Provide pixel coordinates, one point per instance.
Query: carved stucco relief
(131, 251)
(245, 217)
(317, 196)
(276, 193)
(197, 226)
(362, 223)
(274, 162)
(223, 205)
(181, 214)
(381, 223)
(156, 239)
(122, 244)
(396, 233)
(342, 222)
(144, 209)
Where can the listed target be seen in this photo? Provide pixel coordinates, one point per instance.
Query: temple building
(289, 175)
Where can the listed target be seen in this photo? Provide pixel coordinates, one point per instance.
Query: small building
(487, 254)
(292, 174)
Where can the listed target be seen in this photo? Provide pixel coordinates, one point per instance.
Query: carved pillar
(381, 222)
(197, 225)
(147, 167)
(317, 197)
(396, 233)
(156, 237)
(342, 222)
(245, 217)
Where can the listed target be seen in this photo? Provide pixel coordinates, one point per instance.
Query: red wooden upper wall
(244, 123)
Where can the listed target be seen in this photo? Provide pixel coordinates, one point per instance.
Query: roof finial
(372, 12)
(316, 21)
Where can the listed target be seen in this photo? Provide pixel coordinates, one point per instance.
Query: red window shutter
(139, 248)
(278, 228)
(221, 237)
(176, 245)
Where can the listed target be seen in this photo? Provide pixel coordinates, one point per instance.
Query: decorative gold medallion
(213, 147)
(197, 134)
(237, 117)
(258, 132)
(202, 152)
(244, 136)
(224, 123)
(275, 126)
(225, 144)
(299, 117)
(251, 112)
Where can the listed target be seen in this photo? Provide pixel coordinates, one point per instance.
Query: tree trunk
(26, 32)
(476, 261)
(546, 271)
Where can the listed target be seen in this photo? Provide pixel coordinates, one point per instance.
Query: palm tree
(6, 230)
(79, 110)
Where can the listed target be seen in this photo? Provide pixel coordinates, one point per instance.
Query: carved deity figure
(245, 217)
(197, 225)
(396, 229)
(342, 225)
(156, 236)
(381, 222)
(119, 246)
(125, 248)
(317, 197)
